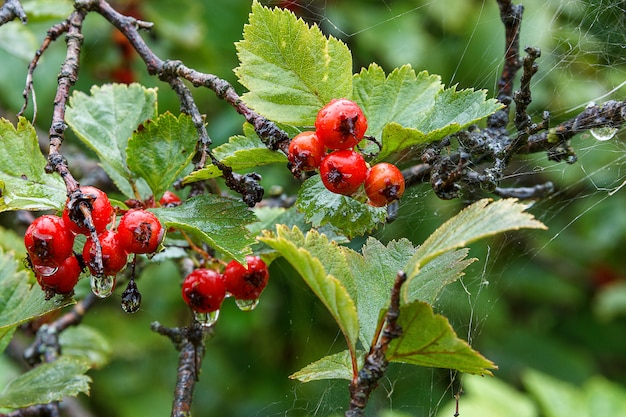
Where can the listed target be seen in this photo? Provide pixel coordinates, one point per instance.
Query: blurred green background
(554, 301)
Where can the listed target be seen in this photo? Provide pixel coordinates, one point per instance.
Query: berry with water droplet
(101, 211)
(305, 151)
(340, 124)
(246, 283)
(343, 172)
(59, 279)
(140, 231)
(48, 241)
(114, 256)
(384, 183)
(204, 290)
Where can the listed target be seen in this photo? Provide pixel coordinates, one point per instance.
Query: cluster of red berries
(49, 241)
(204, 289)
(339, 127)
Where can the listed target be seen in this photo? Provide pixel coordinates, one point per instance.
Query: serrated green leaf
(105, 121)
(290, 69)
(20, 301)
(46, 383)
(242, 152)
(436, 274)
(479, 220)
(206, 173)
(337, 366)
(346, 214)
(161, 150)
(23, 183)
(217, 221)
(316, 270)
(87, 344)
(376, 270)
(427, 339)
(406, 109)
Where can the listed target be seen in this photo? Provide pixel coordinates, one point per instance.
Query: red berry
(59, 279)
(340, 124)
(169, 199)
(246, 283)
(306, 151)
(204, 290)
(101, 212)
(139, 231)
(48, 241)
(384, 183)
(114, 257)
(343, 172)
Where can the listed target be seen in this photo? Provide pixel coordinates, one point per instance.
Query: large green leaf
(86, 343)
(46, 383)
(406, 109)
(19, 300)
(337, 366)
(23, 183)
(18, 40)
(479, 220)
(347, 214)
(217, 221)
(316, 260)
(427, 339)
(105, 121)
(290, 69)
(161, 149)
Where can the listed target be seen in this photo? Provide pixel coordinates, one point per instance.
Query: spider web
(583, 61)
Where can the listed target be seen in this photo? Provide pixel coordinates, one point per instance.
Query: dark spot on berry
(347, 126)
(256, 278)
(143, 233)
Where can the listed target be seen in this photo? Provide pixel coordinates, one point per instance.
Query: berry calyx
(140, 231)
(101, 211)
(48, 240)
(384, 183)
(169, 199)
(340, 124)
(343, 172)
(114, 257)
(204, 290)
(58, 279)
(306, 151)
(246, 283)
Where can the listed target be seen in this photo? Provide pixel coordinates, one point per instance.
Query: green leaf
(161, 149)
(23, 183)
(206, 173)
(605, 398)
(427, 339)
(376, 270)
(556, 398)
(290, 69)
(106, 119)
(87, 344)
(217, 221)
(316, 260)
(6, 334)
(337, 366)
(347, 214)
(39, 10)
(18, 40)
(19, 300)
(479, 220)
(406, 109)
(46, 383)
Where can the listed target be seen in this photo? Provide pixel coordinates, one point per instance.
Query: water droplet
(207, 319)
(45, 271)
(131, 298)
(603, 133)
(102, 287)
(247, 305)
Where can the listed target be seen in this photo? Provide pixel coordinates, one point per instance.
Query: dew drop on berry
(131, 298)
(102, 287)
(45, 270)
(206, 319)
(247, 305)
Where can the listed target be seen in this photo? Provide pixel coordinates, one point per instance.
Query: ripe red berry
(340, 124)
(139, 231)
(48, 241)
(59, 279)
(101, 212)
(343, 172)
(306, 151)
(114, 257)
(246, 283)
(204, 290)
(384, 183)
(169, 199)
